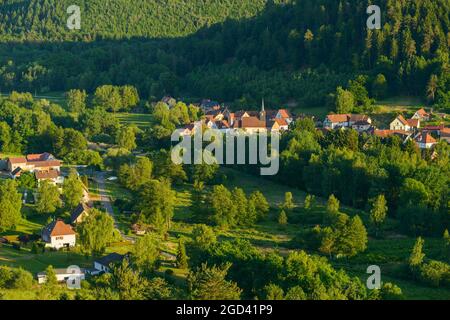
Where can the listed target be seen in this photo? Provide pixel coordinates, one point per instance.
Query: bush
(22, 279)
(435, 273)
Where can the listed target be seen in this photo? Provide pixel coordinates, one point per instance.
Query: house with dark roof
(105, 263)
(79, 213)
(58, 235)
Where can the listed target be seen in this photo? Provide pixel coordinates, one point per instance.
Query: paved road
(106, 202)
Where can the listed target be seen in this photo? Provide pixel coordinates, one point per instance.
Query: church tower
(262, 114)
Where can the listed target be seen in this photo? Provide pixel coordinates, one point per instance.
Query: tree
(446, 238)
(288, 204)
(203, 236)
(282, 218)
(96, 232)
(130, 97)
(76, 101)
(208, 283)
(309, 202)
(378, 212)
(126, 138)
(72, 189)
(222, 206)
(127, 282)
(379, 86)
(274, 292)
(157, 204)
(10, 205)
(27, 180)
(135, 176)
(345, 101)
(49, 199)
(182, 259)
(145, 254)
(432, 87)
(417, 256)
(333, 205)
(259, 201)
(353, 238)
(108, 97)
(50, 275)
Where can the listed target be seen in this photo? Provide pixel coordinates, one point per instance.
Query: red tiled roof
(426, 138)
(388, 133)
(46, 175)
(250, 122)
(413, 123)
(18, 160)
(337, 118)
(281, 122)
(422, 112)
(402, 120)
(58, 228)
(284, 113)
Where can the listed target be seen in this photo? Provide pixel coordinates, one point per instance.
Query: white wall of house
(61, 277)
(58, 242)
(397, 125)
(100, 267)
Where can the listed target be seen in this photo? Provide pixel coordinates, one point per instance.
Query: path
(106, 202)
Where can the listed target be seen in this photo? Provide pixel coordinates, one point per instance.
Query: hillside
(46, 19)
(236, 51)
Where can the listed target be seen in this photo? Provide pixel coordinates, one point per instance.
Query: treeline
(259, 51)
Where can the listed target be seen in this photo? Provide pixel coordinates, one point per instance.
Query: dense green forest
(236, 51)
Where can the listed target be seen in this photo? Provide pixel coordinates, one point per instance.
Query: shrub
(435, 273)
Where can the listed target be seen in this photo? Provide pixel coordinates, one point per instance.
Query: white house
(59, 235)
(333, 121)
(400, 123)
(62, 275)
(104, 263)
(421, 114)
(425, 141)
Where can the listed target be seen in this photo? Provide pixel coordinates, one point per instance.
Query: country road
(106, 202)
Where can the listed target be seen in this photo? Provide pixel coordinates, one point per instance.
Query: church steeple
(262, 114)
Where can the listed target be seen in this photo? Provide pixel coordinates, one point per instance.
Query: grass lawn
(141, 121)
(55, 97)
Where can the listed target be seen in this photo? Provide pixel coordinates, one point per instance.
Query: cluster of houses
(44, 166)
(251, 122)
(425, 137)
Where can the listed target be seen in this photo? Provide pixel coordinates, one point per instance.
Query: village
(220, 118)
(60, 234)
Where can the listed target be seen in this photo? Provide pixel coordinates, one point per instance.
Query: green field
(140, 120)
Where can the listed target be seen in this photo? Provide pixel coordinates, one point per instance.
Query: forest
(231, 51)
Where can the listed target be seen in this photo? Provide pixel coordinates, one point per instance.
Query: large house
(45, 167)
(358, 122)
(59, 235)
(402, 124)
